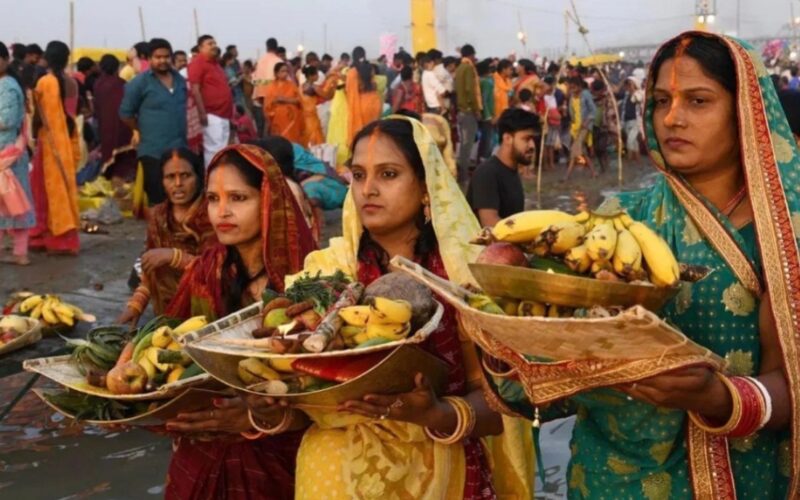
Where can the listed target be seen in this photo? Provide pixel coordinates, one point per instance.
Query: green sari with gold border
(628, 449)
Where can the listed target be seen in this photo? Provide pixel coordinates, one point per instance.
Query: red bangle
(753, 407)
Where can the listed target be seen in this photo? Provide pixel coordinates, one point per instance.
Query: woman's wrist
(721, 401)
(441, 417)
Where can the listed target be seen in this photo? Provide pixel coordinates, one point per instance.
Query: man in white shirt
(432, 88)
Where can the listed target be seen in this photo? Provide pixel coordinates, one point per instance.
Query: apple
(128, 378)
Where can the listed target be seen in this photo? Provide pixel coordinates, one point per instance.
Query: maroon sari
(117, 154)
(232, 467)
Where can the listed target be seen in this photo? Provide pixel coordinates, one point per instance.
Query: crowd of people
(238, 161)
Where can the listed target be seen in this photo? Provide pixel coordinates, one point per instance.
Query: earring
(426, 203)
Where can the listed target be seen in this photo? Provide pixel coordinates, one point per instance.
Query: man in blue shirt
(154, 107)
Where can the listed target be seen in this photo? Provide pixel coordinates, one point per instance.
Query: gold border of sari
(708, 455)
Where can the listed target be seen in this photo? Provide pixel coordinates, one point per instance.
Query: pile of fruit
(12, 327)
(329, 313)
(279, 376)
(608, 248)
(51, 311)
(133, 363)
(612, 248)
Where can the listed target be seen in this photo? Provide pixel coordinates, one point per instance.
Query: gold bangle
(465, 422)
(736, 412)
(135, 306)
(282, 426)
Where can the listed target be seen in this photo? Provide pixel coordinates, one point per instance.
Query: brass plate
(393, 375)
(564, 290)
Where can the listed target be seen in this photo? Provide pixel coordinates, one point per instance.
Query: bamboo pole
(583, 32)
(196, 25)
(72, 26)
(539, 169)
(141, 24)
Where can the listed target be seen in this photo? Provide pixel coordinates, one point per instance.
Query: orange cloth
(502, 86)
(362, 107)
(526, 82)
(313, 127)
(60, 157)
(285, 120)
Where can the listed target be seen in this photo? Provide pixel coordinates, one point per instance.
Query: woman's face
(282, 74)
(387, 193)
(234, 207)
(694, 119)
(180, 181)
(3, 66)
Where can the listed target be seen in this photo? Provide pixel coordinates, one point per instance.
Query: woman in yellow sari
(404, 201)
(282, 106)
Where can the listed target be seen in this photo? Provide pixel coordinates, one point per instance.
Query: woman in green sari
(728, 200)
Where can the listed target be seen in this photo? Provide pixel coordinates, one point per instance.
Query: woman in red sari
(178, 230)
(283, 108)
(262, 238)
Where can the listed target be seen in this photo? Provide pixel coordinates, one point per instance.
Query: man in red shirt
(212, 95)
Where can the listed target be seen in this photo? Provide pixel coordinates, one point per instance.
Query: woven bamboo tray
(62, 370)
(191, 399)
(31, 336)
(392, 375)
(240, 325)
(558, 357)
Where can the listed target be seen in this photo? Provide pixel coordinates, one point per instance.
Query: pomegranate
(502, 253)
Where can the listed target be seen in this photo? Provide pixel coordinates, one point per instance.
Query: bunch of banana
(383, 320)
(161, 355)
(52, 310)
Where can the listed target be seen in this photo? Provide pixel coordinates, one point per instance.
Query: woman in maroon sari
(263, 237)
(118, 155)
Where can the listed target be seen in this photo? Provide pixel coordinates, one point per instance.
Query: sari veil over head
(455, 225)
(771, 166)
(285, 236)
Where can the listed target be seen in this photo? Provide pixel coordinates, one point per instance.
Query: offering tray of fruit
(324, 316)
(326, 381)
(556, 357)
(113, 362)
(96, 410)
(17, 332)
(551, 287)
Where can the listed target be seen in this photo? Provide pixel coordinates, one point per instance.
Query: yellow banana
(349, 331)
(29, 303)
(628, 254)
(355, 315)
(601, 265)
(16, 323)
(151, 353)
(582, 217)
(148, 367)
(565, 236)
(625, 219)
(281, 365)
(162, 337)
(388, 311)
(174, 346)
(526, 226)
(618, 224)
(553, 311)
(387, 331)
(577, 258)
(509, 306)
(190, 325)
(253, 370)
(531, 308)
(175, 374)
(36, 312)
(65, 314)
(664, 268)
(47, 311)
(601, 241)
(484, 303)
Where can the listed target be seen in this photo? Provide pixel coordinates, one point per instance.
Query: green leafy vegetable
(321, 289)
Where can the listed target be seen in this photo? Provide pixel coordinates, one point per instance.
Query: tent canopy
(595, 59)
(95, 53)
